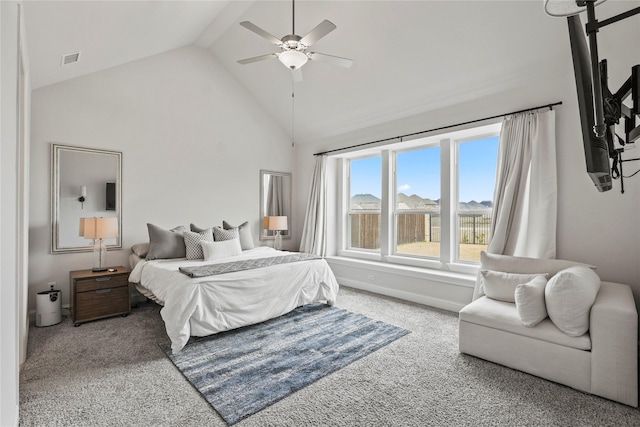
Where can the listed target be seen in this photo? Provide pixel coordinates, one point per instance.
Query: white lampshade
(293, 59)
(565, 7)
(99, 228)
(83, 223)
(277, 223)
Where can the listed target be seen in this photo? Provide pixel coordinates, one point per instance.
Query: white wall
(193, 144)
(596, 228)
(14, 101)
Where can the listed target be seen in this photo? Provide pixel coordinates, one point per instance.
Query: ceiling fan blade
(297, 75)
(259, 31)
(323, 28)
(257, 58)
(335, 60)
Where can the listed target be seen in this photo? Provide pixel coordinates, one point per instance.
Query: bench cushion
(504, 316)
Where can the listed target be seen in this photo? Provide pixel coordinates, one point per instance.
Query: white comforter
(208, 305)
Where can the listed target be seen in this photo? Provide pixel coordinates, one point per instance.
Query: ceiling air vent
(70, 58)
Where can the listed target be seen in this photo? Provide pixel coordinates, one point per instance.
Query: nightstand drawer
(96, 283)
(102, 302)
(99, 294)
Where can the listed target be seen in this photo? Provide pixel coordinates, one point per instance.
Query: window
(477, 162)
(365, 179)
(424, 202)
(417, 207)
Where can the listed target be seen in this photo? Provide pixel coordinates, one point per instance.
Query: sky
(418, 172)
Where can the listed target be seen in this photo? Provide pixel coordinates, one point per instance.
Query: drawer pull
(103, 291)
(102, 279)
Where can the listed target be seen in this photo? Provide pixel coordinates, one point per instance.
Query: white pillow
(530, 301)
(522, 265)
(501, 286)
(569, 296)
(222, 249)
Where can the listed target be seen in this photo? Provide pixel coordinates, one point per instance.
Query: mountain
(413, 202)
(365, 202)
(473, 205)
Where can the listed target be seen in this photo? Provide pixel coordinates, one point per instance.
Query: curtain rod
(550, 106)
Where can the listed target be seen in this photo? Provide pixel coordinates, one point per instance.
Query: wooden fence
(418, 227)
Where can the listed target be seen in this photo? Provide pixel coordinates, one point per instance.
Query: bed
(207, 305)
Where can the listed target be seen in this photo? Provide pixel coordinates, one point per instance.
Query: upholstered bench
(601, 361)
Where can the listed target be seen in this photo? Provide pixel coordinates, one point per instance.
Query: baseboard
(407, 296)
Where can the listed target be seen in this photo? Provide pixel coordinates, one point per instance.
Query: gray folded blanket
(246, 264)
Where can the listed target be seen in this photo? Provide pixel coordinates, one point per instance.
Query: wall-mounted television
(111, 196)
(596, 149)
(607, 120)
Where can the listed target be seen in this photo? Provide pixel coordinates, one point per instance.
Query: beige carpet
(112, 373)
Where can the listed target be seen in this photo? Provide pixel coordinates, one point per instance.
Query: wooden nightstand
(99, 295)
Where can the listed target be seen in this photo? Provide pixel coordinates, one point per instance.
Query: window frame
(449, 143)
(394, 210)
(456, 203)
(350, 212)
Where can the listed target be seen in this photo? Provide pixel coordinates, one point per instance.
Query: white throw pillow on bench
(521, 265)
(530, 301)
(501, 286)
(569, 295)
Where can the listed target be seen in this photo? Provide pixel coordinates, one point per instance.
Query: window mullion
(386, 208)
(446, 211)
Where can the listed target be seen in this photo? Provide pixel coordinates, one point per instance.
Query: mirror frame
(56, 151)
(263, 237)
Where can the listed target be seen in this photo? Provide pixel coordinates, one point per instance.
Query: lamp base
(277, 241)
(99, 269)
(100, 256)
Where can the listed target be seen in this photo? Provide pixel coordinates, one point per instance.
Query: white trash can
(48, 308)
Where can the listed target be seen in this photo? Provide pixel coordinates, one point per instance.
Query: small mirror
(85, 183)
(275, 201)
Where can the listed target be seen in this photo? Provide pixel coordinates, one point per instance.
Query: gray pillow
(140, 249)
(220, 234)
(164, 244)
(196, 229)
(246, 239)
(192, 242)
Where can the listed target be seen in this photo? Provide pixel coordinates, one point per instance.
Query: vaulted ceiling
(409, 56)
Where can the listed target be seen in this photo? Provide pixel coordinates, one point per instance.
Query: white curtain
(525, 197)
(275, 196)
(314, 230)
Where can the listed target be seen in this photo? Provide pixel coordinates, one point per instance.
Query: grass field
(467, 252)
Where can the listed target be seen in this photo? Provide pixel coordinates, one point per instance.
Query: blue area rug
(242, 371)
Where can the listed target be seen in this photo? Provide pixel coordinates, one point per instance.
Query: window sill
(371, 256)
(460, 278)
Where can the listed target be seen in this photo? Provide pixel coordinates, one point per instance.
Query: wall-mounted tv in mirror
(111, 196)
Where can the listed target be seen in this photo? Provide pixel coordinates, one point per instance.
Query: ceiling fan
(293, 54)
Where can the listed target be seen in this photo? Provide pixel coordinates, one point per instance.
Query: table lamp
(277, 224)
(98, 229)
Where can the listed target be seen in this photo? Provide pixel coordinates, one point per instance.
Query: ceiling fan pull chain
(293, 100)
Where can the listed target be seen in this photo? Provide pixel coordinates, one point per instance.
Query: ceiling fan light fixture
(293, 59)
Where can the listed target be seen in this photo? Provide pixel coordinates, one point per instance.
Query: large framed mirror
(275, 201)
(85, 183)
